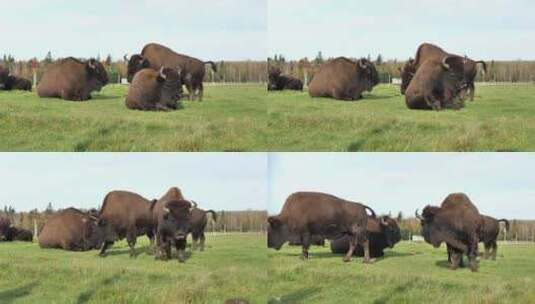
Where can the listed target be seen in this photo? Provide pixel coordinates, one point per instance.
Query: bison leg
(203, 238)
(472, 89)
(201, 91)
(366, 246)
(105, 247)
(472, 254)
(456, 257)
(181, 250)
(433, 102)
(131, 238)
(352, 244)
(494, 250)
(305, 242)
(487, 248)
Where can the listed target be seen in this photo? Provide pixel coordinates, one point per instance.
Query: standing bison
(72, 229)
(318, 215)
(427, 51)
(344, 79)
(72, 79)
(155, 56)
(457, 223)
(383, 233)
(173, 223)
(17, 83)
(278, 82)
(437, 85)
(153, 90)
(128, 215)
(199, 219)
(490, 228)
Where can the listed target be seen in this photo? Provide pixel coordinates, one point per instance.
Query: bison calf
(72, 79)
(153, 90)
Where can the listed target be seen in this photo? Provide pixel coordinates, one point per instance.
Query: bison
(428, 51)
(153, 90)
(4, 76)
(437, 85)
(173, 223)
(17, 83)
(490, 228)
(199, 220)
(128, 215)
(319, 215)
(155, 56)
(21, 234)
(74, 230)
(278, 82)
(344, 79)
(457, 223)
(5, 229)
(383, 233)
(72, 79)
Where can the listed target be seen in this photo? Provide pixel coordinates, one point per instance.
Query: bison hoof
(346, 259)
(368, 261)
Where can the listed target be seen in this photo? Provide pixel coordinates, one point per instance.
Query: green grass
(502, 118)
(409, 273)
(231, 118)
(232, 266)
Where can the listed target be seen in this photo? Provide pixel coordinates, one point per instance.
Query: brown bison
(17, 83)
(128, 215)
(155, 56)
(437, 85)
(278, 82)
(72, 79)
(457, 223)
(199, 219)
(72, 229)
(427, 51)
(383, 232)
(173, 223)
(4, 76)
(490, 228)
(319, 215)
(344, 79)
(153, 90)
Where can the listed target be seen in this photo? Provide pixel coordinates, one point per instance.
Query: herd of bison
(166, 221)
(434, 80)
(308, 218)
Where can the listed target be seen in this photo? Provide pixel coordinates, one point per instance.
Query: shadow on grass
(126, 251)
(298, 296)
(10, 295)
(85, 296)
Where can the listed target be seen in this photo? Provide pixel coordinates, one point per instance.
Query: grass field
(500, 119)
(409, 273)
(231, 266)
(231, 118)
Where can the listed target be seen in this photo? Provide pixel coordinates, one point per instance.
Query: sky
(500, 185)
(481, 29)
(206, 29)
(219, 181)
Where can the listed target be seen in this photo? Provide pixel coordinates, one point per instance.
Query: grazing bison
(320, 215)
(344, 79)
(72, 229)
(437, 85)
(155, 56)
(383, 233)
(128, 215)
(199, 219)
(278, 82)
(4, 75)
(427, 51)
(17, 83)
(173, 224)
(72, 79)
(153, 90)
(490, 228)
(457, 223)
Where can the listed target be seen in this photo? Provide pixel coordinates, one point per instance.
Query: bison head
(96, 230)
(278, 233)
(135, 64)
(171, 81)
(454, 66)
(407, 73)
(6, 229)
(4, 76)
(391, 230)
(96, 73)
(177, 217)
(273, 78)
(367, 73)
(430, 231)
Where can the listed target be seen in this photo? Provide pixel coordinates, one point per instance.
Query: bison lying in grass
(279, 82)
(153, 90)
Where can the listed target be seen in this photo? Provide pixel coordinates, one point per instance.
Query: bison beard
(173, 227)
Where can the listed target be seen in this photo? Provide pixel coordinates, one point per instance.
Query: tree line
(227, 71)
(227, 221)
(497, 71)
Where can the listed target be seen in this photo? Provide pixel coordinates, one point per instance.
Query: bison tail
(212, 64)
(214, 214)
(506, 223)
(483, 64)
(371, 210)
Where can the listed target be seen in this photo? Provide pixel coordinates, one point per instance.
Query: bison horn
(445, 64)
(418, 216)
(94, 218)
(161, 73)
(125, 57)
(166, 210)
(194, 204)
(383, 221)
(362, 63)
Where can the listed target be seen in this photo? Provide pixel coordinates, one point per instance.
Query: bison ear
(274, 221)
(91, 64)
